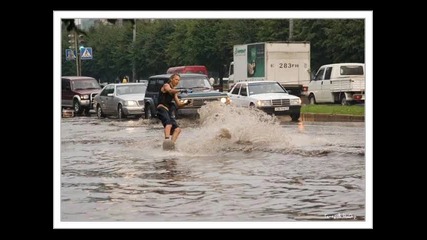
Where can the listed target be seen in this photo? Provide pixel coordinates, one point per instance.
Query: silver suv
(78, 93)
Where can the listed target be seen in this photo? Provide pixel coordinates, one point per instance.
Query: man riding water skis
(167, 94)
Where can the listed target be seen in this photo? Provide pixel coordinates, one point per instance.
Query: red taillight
(357, 97)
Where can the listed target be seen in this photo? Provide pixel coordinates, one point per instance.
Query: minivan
(188, 69)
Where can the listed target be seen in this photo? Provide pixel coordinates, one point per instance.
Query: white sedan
(269, 96)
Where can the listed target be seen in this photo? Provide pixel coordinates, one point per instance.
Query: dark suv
(78, 92)
(198, 90)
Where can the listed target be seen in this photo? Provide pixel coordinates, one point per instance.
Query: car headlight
(130, 103)
(225, 100)
(295, 101)
(263, 103)
(84, 97)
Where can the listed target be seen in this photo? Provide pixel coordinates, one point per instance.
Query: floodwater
(265, 170)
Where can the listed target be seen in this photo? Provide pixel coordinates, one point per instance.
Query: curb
(319, 117)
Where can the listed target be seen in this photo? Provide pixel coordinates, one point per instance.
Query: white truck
(338, 83)
(285, 62)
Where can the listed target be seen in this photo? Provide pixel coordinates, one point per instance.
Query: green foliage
(332, 40)
(273, 30)
(202, 42)
(155, 44)
(356, 110)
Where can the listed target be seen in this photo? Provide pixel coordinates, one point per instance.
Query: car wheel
(344, 101)
(77, 108)
(120, 113)
(148, 111)
(99, 112)
(311, 99)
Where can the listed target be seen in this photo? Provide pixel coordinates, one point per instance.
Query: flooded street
(268, 170)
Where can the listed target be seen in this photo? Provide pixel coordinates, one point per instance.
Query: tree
(332, 40)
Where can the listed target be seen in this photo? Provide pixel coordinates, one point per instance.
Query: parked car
(338, 83)
(142, 81)
(121, 100)
(199, 91)
(78, 92)
(269, 96)
(188, 69)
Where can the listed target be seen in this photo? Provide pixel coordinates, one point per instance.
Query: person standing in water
(167, 94)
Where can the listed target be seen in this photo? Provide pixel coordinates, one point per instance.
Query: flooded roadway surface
(267, 170)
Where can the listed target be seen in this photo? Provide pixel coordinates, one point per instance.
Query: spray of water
(229, 128)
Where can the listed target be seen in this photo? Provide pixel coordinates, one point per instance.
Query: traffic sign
(70, 54)
(86, 53)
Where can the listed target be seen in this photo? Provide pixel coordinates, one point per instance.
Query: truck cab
(338, 83)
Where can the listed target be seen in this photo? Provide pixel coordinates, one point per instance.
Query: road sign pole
(80, 63)
(78, 68)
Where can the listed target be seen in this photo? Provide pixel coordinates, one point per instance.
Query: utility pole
(133, 48)
(291, 29)
(78, 59)
(73, 40)
(80, 62)
(76, 38)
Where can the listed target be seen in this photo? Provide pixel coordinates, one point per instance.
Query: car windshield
(131, 89)
(194, 82)
(86, 84)
(260, 88)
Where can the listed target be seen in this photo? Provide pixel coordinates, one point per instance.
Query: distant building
(84, 23)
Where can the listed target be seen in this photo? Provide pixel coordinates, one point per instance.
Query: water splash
(229, 128)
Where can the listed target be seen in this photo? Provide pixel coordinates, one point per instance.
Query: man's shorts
(166, 118)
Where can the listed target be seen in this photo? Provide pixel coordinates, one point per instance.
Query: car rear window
(351, 70)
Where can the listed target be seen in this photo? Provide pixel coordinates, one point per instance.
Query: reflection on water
(230, 165)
